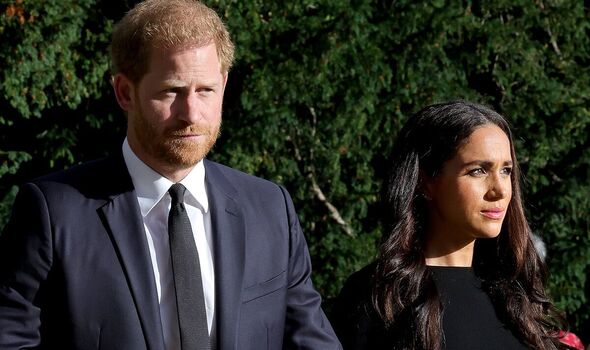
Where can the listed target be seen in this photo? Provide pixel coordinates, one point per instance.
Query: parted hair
(166, 24)
(404, 294)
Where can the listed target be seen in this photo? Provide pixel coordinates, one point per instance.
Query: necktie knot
(177, 193)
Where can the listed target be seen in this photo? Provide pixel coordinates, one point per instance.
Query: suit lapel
(228, 232)
(122, 219)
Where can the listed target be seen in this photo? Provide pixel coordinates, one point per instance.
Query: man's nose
(191, 110)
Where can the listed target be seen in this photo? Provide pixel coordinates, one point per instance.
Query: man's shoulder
(92, 177)
(75, 171)
(239, 178)
(250, 188)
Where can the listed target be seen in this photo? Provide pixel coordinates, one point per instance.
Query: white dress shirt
(154, 202)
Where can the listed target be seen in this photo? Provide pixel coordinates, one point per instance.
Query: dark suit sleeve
(306, 325)
(25, 262)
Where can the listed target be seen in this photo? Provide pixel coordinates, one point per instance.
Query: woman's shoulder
(353, 316)
(358, 286)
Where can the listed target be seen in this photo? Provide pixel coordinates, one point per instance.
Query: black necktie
(190, 301)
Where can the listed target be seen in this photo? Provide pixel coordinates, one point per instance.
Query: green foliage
(316, 98)
(52, 62)
(54, 68)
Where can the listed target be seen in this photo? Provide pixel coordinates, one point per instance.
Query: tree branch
(334, 213)
(550, 33)
(310, 174)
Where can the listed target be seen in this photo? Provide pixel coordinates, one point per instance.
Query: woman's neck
(442, 251)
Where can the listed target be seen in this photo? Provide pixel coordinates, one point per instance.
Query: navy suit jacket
(75, 270)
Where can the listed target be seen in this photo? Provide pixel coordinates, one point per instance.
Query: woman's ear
(426, 185)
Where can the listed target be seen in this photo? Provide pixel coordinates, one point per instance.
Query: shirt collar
(150, 186)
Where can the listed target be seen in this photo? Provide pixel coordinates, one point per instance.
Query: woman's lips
(494, 213)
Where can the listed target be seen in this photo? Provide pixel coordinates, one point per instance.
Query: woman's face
(469, 197)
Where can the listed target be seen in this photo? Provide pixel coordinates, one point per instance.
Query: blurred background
(315, 100)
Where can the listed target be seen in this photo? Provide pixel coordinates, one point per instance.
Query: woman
(456, 267)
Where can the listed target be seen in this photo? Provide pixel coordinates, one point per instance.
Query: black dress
(469, 318)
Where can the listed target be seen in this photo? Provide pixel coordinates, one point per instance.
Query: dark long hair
(513, 275)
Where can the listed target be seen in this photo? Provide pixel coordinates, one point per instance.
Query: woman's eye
(477, 172)
(507, 170)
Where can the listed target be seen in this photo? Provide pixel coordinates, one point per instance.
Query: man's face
(175, 114)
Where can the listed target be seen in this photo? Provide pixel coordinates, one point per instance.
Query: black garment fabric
(353, 317)
(469, 318)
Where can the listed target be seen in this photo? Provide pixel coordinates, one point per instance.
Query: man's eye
(204, 90)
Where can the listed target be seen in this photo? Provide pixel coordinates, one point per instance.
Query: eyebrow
(486, 163)
(182, 84)
(173, 82)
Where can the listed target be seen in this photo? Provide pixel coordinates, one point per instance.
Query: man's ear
(225, 76)
(124, 91)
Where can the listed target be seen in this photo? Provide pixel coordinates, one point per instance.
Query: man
(115, 254)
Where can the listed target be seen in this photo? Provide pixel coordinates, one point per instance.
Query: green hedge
(318, 93)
